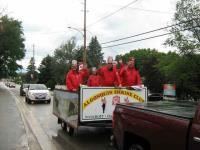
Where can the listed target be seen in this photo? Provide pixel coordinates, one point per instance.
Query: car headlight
(31, 95)
(48, 96)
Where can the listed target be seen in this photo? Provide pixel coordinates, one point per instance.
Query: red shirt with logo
(94, 80)
(109, 77)
(75, 78)
(130, 77)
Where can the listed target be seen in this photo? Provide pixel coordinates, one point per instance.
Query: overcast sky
(45, 23)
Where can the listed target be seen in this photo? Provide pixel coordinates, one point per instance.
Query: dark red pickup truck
(164, 125)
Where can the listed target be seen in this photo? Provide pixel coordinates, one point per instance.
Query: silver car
(37, 92)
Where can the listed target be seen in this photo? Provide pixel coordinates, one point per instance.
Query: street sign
(169, 90)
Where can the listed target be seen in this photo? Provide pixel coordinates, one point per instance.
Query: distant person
(121, 65)
(109, 75)
(115, 64)
(75, 76)
(94, 79)
(84, 71)
(130, 76)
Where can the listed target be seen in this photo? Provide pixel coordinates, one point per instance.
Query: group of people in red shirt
(107, 76)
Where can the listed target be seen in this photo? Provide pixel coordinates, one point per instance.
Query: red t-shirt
(74, 79)
(109, 77)
(94, 80)
(130, 77)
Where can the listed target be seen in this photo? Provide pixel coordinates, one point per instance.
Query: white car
(37, 92)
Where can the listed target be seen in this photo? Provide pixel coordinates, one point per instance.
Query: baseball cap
(74, 62)
(131, 59)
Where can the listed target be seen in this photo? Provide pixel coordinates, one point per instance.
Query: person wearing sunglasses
(109, 74)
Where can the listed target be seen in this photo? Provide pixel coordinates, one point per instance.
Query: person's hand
(84, 66)
(125, 67)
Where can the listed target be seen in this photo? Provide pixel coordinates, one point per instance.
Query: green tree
(95, 55)
(32, 74)
(153, 78)
(184, 71)
(63, 57)
(187, 41)
(46, 75)
(11, 46)
(78, 54)
(146, 61)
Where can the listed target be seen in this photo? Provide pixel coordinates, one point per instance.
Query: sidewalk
(12, 131)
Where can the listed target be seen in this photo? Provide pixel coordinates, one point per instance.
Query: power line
(148, 31)
(151, 37)
(137, 40)
(153, 11)
(112, 13)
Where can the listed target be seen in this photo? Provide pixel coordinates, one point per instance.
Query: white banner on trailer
(98, 103)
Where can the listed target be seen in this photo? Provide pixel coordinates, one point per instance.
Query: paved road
(14, 131)
(85, 139)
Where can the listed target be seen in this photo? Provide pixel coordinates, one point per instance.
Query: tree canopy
(11, 46)
(31, 75)
(46, 74)
(95, 55)
(53, 69)
(186, 35)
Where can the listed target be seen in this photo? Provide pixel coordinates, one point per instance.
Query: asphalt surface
(49, 134)
(12, 130)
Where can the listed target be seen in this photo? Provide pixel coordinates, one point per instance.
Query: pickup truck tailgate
(164, 124)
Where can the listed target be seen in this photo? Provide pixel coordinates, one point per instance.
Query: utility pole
(84, 47)
(33, 62)
(33, 54)
(1, 25)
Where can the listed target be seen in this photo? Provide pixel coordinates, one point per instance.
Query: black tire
(63, 125)
(70, 130)
(113, 141)
(59, 121)
(29, 101)
(136, 147)
(49, 101)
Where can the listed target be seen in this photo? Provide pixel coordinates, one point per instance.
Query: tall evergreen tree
(32, 74)
(95, 55)
(46, 75)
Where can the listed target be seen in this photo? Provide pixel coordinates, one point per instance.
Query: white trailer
(91, 106)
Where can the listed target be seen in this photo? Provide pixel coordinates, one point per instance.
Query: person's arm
(138, 78)
(117, 79)
(88, 82)
(122, 71)
(69, 82)
(100, 72)
(66, 81)
(84, 72)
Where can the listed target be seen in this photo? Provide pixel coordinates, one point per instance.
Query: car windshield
(37, 87)
(25, 85)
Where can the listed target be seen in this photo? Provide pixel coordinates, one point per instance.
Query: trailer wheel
(63, 125)
(28, 101)
(70, 130)
(136, 147)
